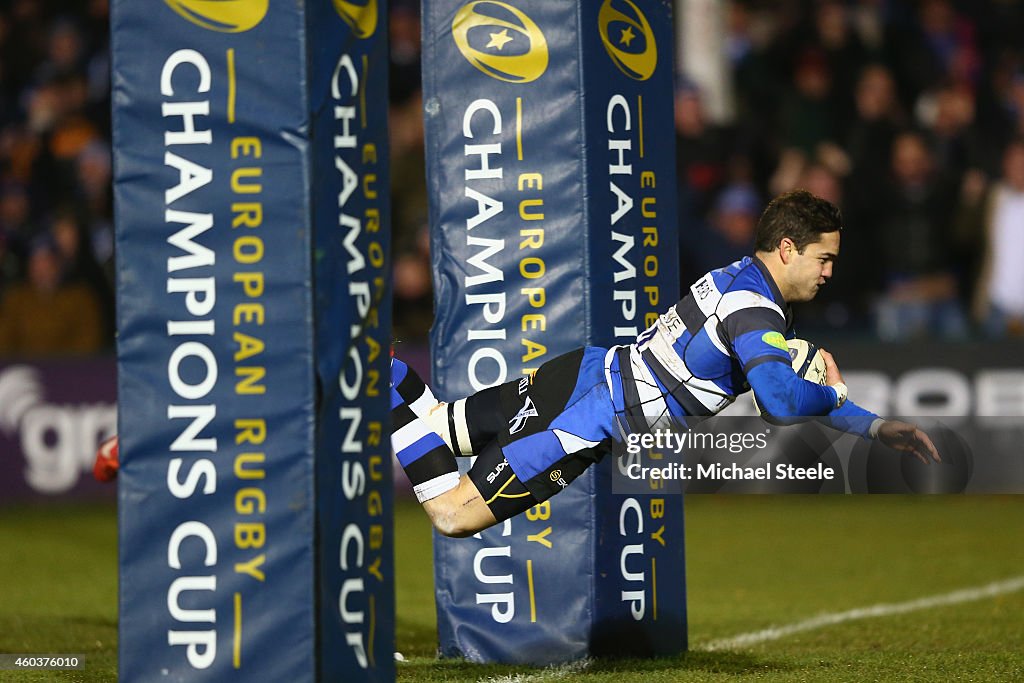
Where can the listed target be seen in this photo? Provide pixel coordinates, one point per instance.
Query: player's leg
(489, 493)
(548, 432)
(552, 429)
(428, 462)
(453, 503)
(466, 425)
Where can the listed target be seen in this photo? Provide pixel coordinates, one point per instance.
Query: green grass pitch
(754, 562)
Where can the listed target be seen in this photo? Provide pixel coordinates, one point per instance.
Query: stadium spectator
(15, 223)
(404, 44)
(808, 112)
(868, 142)
(73, 242)
(54, 131)
(65, 51)
(843, 53)
(931, 47)
(948, 114)
(999, 299)
(920, 295)
(729, 236)
(45, 316)
(10, 264)
(1000, 103)
(843, 303)
(702, 155)
(94, 199)
(868, 22)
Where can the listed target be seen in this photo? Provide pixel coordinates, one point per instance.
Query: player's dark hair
(798, 215)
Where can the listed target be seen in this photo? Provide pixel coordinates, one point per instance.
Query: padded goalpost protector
(552, 186)
(255, 495)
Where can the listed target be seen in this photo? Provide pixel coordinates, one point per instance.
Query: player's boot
(107, 461)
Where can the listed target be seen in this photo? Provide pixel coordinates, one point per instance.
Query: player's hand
(908, 438)
(107, 460)
(832, 376)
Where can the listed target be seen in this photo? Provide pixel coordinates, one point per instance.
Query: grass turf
(753, 562)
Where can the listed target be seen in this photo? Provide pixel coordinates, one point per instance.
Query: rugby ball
(807, 362)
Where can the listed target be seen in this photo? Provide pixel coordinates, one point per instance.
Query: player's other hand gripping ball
(807, 362)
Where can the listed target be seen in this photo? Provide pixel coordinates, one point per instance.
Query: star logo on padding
(627, 36)
(499, 39)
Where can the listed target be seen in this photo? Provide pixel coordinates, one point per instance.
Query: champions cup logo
(628, 39)
(501, 41)
(225, 16)
(360, 16)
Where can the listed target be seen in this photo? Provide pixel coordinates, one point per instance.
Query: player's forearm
(851, 418)
(781, 394)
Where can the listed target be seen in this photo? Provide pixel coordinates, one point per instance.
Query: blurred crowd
(910, 117)
(907, 114)
(56, 221)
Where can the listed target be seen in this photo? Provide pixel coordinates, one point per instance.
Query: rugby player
(725, 337)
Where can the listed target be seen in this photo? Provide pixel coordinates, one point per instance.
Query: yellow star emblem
(499, 39)
(627, 36)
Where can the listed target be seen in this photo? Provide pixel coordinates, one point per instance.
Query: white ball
(807, 362)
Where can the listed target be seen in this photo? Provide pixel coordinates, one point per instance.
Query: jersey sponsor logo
(498, 469)
(628, 38)
(673, 322)
(360, 16)
(702, 288)
(775, 339)
(517, 423)
(501, 41)
(556, 476)
(223, 16)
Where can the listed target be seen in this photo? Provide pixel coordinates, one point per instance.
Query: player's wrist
(876, 425)
(841, 393)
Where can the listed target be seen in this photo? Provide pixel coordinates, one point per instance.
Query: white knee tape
(465, 446)
(437, 420)
(429, 490)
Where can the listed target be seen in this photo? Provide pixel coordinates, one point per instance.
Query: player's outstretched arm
(901, 436)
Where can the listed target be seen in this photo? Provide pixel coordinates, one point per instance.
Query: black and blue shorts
(556, 424)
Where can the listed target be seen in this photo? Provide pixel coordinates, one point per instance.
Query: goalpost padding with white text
(551, 175)
(255, 491)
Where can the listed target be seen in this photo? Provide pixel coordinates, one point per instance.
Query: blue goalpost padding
(551, 175)
(255, 490)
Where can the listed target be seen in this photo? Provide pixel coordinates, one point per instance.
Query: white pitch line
(552, 673)
(883, 610)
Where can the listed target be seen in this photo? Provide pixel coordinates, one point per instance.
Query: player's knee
(446, 515)
(449, 522)
(453, 528)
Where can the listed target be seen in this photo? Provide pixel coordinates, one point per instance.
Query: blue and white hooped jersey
(694, 359)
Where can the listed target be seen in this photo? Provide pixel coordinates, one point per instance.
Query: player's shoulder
(744, 286)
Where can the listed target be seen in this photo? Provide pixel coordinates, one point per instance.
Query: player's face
(808, 271)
